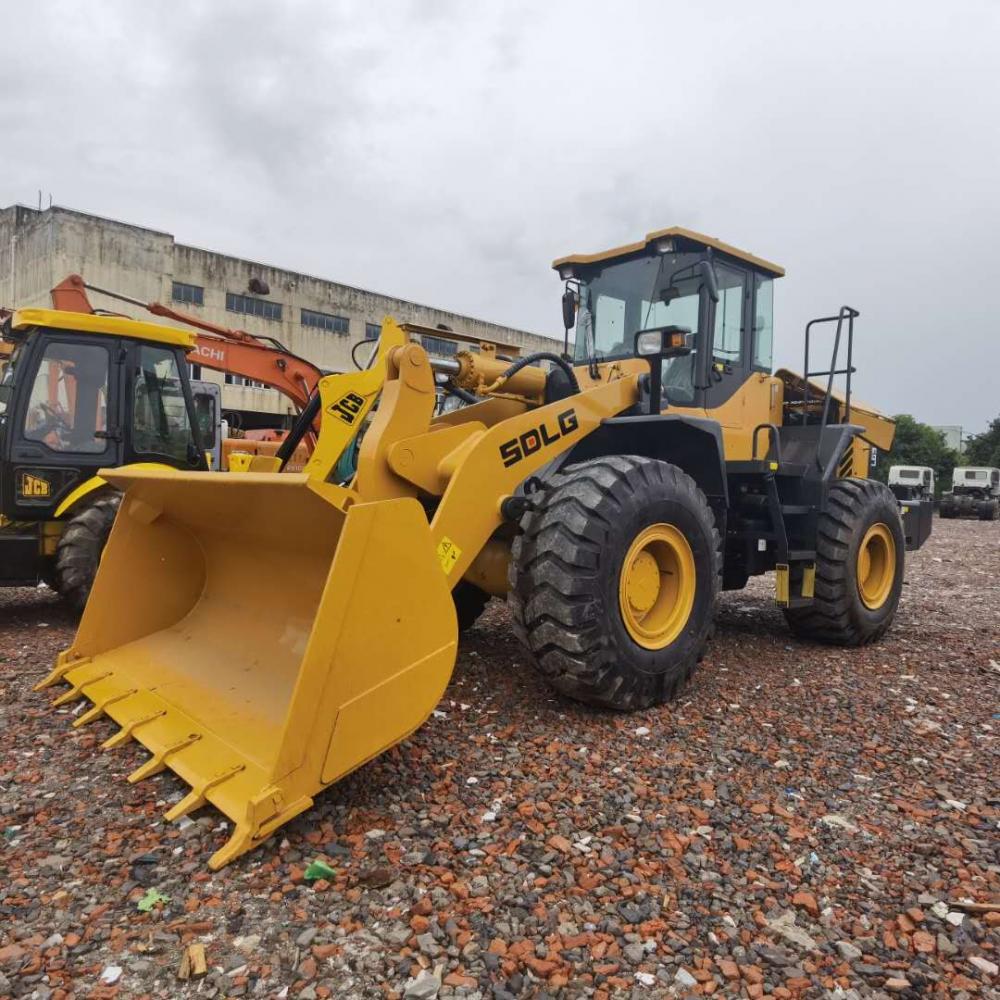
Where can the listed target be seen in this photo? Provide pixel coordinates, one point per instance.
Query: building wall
(39, 248)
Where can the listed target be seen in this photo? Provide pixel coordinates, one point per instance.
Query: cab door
(159, 409)
(728, 364)
(62, 422)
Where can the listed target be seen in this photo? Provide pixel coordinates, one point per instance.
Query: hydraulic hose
(530, 359)
(462, 394)
(303, 424)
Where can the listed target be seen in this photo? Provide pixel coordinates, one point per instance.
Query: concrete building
(315, 318)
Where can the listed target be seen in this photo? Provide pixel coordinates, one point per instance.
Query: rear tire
(988, 510)
(614, 580)
(851, 609)
(79, 551)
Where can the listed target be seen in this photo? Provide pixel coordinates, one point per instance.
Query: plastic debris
(317, 870)
(111, 975)
(152, 898)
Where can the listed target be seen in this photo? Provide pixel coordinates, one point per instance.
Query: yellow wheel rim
(657, 586)
(876, 565)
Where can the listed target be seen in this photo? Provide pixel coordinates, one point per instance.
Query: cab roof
(110, 326)
(684, 236)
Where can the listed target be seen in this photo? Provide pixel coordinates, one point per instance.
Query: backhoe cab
(608, 501)
(80, 393)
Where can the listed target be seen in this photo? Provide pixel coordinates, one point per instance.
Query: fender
(693, 444)
(88, 486)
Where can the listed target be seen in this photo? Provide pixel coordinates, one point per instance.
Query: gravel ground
(804, 822)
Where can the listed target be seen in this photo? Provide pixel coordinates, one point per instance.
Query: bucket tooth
(99, 707)
(76, 691)
(64, 664)
(257, 824)
(158, 762)
(240, 841)
(195, 799)
(128, 728)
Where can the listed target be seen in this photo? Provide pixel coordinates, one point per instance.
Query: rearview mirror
(711, 282)
(569, 309)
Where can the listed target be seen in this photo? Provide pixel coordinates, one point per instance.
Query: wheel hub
(657, 586)
(876, 566)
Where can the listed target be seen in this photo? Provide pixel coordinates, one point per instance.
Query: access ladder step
(798, 602)
(797, 508)
(801, 555)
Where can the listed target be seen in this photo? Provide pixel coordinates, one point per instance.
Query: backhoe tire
(614, 580)
(79, 551)
(470, 602)
(860, 553)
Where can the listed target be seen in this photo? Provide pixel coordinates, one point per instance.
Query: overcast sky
(447, 151)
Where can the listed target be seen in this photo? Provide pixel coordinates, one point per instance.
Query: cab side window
(160, 422)
(763, 323)
(68, 407)
(726, 340)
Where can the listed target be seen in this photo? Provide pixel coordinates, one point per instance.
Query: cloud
(447, 152)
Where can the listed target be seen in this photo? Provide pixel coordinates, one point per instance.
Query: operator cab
(675, 280)
(82, 392)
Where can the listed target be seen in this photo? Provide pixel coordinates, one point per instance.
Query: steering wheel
(55, 420)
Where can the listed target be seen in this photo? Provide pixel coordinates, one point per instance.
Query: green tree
(917, 444)
(984, 449)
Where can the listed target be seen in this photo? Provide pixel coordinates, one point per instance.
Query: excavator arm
(220, 348)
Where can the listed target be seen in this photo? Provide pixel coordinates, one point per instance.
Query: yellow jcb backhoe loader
(608, 501)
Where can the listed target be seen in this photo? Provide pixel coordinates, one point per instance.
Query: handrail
(846, 313)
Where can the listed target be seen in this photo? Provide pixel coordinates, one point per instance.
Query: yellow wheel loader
(609, 500)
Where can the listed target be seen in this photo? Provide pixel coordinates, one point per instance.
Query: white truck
(912, 482)
(975, 492)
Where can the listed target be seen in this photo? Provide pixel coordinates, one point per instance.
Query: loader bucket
(261, 635)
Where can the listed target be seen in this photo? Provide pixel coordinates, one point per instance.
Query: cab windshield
(627, 296)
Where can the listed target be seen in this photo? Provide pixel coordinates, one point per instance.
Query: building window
(191, 295)
(194, 371)
(439, 346)
(372, 331)
(324, 321)
(247, 383)
(250, 306)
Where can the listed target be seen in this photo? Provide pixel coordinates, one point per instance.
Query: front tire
(79, 551)
(860, 551)
(614, 580)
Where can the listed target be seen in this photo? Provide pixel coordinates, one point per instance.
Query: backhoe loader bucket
(261, 636)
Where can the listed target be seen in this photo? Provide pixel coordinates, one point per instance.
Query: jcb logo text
(32, 486)
(348, 407)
